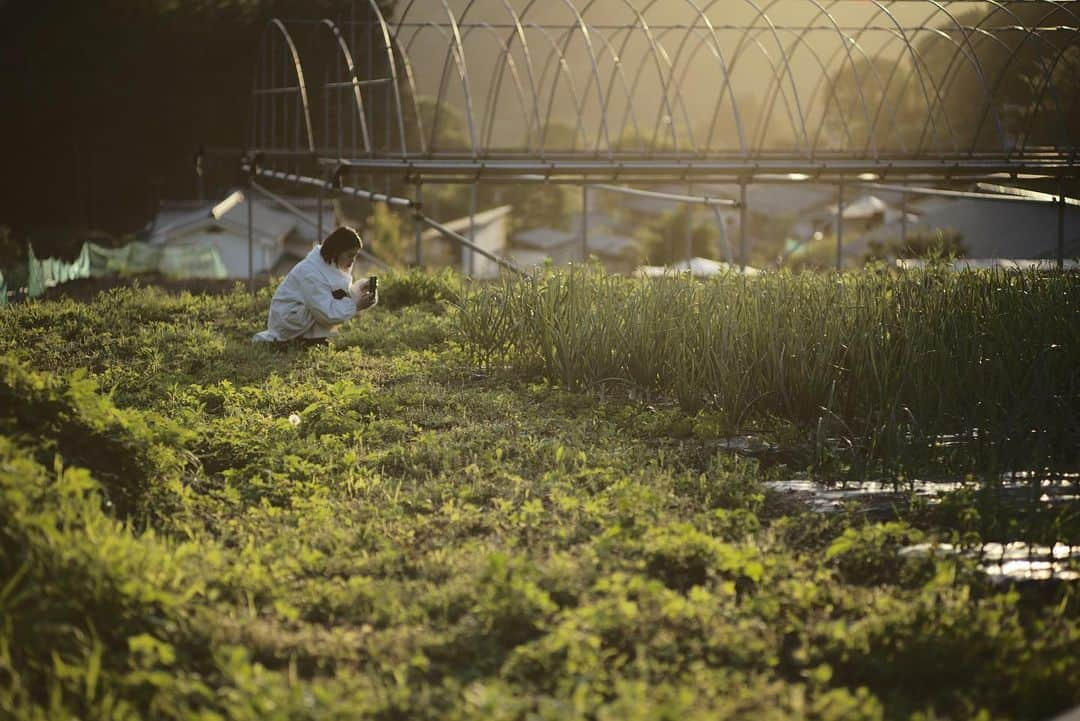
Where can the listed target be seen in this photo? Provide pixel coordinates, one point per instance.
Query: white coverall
(304, 305)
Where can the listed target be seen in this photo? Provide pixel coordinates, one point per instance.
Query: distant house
(490, 230)
(527, 259)
(618, 253)
(987, 228)
(558, 245)
(538, 246)
(861, 214)
(280, 238)
(596, 221)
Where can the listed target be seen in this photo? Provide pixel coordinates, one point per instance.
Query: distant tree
(558, 135)
(12, 251)
(721, 129)
(383, 231)
(106, 101)
(939, 243)
(1007, 70)
(1052, 112)
(871, 103)
(664, 241)
(540, 206)
(443, 125)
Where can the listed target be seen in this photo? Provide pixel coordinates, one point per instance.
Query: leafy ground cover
(194, 527)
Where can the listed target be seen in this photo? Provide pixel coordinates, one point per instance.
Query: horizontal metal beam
(1032, 195)
(803, 170)
(660, 195)
(310, 182)
(276, 91)
(963, 194)
(698, 199)
(666, 27)
(593, 181)
(354, 83)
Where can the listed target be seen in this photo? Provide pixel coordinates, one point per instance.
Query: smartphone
(373, 284)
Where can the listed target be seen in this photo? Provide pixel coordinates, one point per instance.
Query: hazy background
(107, 102)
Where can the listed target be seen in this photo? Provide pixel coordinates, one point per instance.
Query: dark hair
(342, 239)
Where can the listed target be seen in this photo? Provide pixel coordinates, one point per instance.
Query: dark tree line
(107, 102)
(1036, 89)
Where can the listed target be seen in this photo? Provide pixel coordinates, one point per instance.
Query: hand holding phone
(364, 292)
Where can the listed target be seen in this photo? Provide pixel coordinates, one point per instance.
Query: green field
(520, 501)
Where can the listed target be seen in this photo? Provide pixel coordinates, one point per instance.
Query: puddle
(748, 445)
(878, 496)
(1013, 561)
(1000, 561)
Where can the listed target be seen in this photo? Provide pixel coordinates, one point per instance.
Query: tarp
(188, 261)
(35, 277)
(95, 261)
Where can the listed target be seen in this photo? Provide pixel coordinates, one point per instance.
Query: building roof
(598, 221)
(863, 207)
(461, 225)
(271, 223)
(172, 214)
(528, 259)
(610, 244)
(544, 238)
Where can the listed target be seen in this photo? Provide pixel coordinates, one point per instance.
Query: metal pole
(471, 266)
(386, 102)
(584, 223)
(839, 226)
(304, 180)
(742, 225)
(418, 227)
(319, 210)
(251, 239)
(281, 202)
(1061, 227)
(724, 237)
(689, 228)
(903, 219)
(466, 242)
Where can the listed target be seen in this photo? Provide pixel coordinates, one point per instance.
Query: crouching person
(318, 294)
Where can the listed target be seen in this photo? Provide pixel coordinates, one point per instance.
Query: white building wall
(491, 237)
(1003, 229)
(234, 252)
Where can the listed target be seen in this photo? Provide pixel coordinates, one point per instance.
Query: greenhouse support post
(742, 226)
(903, 218)
(1061, 227)
(418, 226)
(839, 226)
(251, 239)
(584, 223)
(688, 229)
